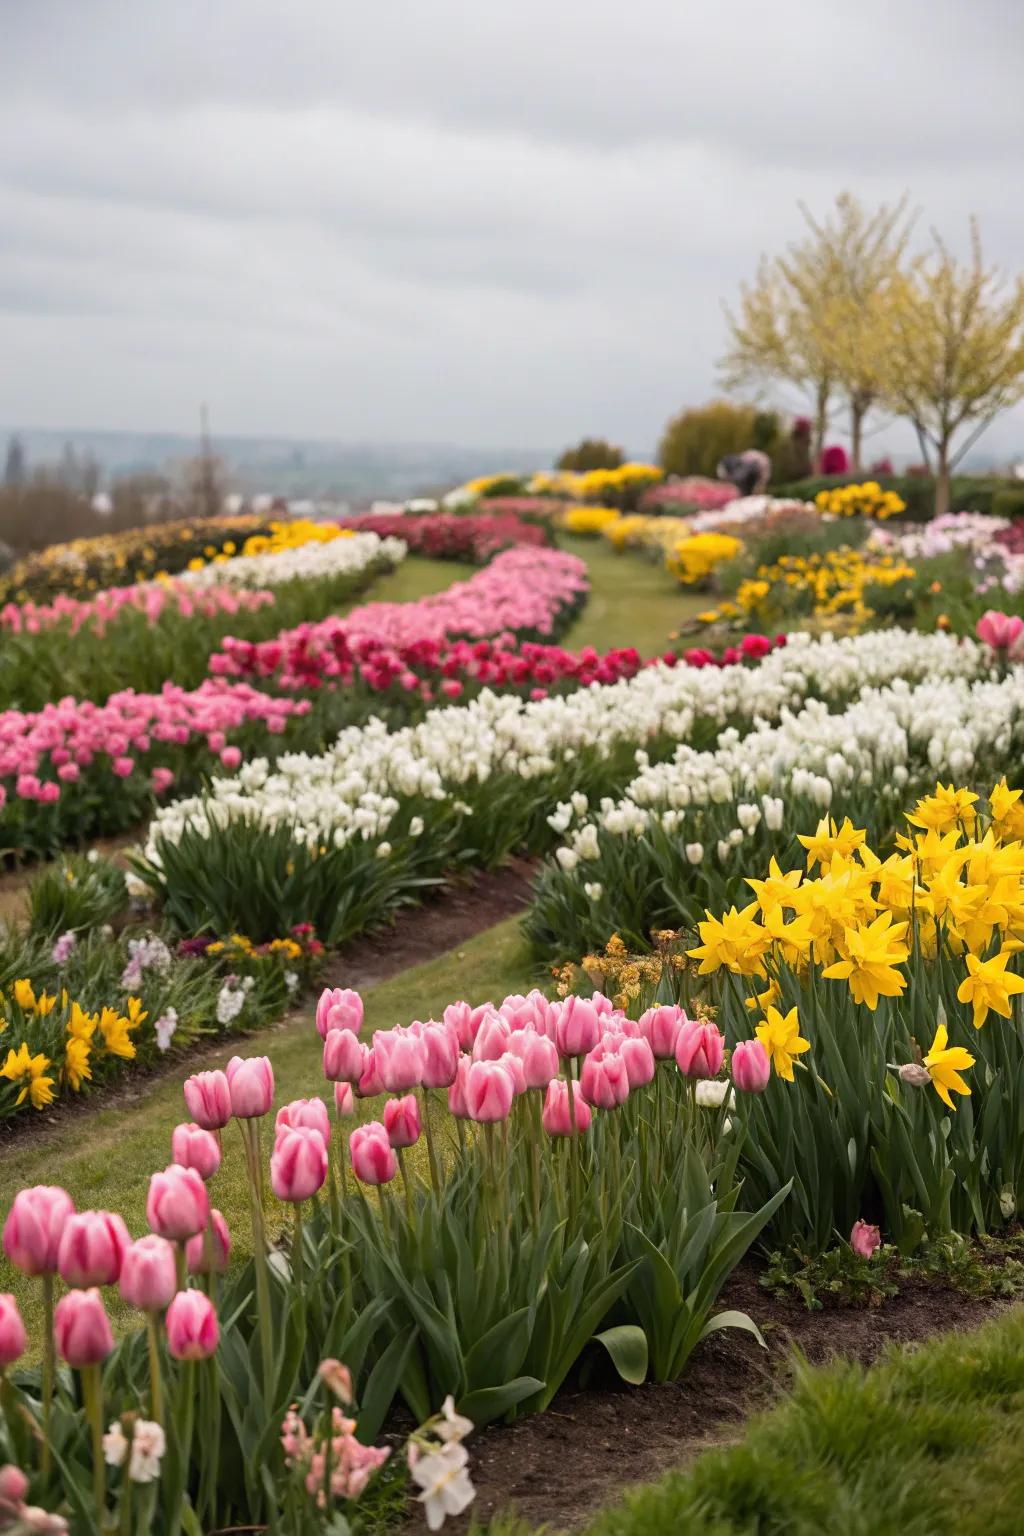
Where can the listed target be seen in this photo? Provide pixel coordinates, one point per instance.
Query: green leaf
(382, 1384)
(489, 1403)
(732, 1320)
(627, 1346)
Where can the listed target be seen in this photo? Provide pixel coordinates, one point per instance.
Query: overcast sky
(442, 220)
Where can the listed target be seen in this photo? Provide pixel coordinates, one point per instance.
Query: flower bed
(344, 553)
(447, 536)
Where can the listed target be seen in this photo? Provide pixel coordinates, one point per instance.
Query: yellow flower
(782, 1040)
(81, 1025)
(872, 953)
(947, 807)
(76, 1062)
(829, 839)
(735, 941)
(114, 1030)
(988, 985)
(945, 1063)
(777, 890)
(136, 1013)
(21, 1064)
(24, 995)
(761, 1001)
(44, 1004)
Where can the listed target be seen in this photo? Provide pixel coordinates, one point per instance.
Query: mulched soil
(559, 1467)
(449, 917)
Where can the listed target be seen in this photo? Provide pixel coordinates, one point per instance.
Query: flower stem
(155, 1386)
(48, 1368)
(92, 1395)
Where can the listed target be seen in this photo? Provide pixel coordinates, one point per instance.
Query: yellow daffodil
(24, 995)
(76, 1062)
(945, 1063)
(735, 941)
(81, 1025)
(869, 966)
(828, 839)
(988, 985)
(781, 1038)
(22, 1067)
(947, 807)
(114, 1029)
(777, 890)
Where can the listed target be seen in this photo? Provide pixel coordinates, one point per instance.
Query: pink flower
(231, 757)
(81, 1328)
(700, 1049)
(492, 1037)
(577, 1027)
(399, 1058)
(344, 1101)
(195, 1248)
(194, 1147)
(604, 1081)
(750, 1066)
(92, 1249)
(373, 1160)
(999, 630)
(34, 1227)
(344, 1056)
(148, 1278)
(457, 1090)
(193, 1332)
(339, 1008)
(466, 1021)
(369, 1085)
(402, 1121)
(13, 1338)
(660, 1026)
(440, 1054)
(309, 1113)
(490, 1089)
(537, 1054)
(161, 779)
(177, 1206)
(123, 767)
(251, 1081)
(13, 1488)
(639, 1059)
(865, 1239)
(298, 1165)
(556, 1117)
(208, 1097)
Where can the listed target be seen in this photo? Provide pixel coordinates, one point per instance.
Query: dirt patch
(558, 1468)
(449, 917)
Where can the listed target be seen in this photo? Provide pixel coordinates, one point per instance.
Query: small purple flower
(64, 947)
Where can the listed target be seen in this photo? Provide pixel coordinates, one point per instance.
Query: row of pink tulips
(152, 600)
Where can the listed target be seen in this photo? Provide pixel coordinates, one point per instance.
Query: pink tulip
(298, 1166)
(92, 1249)
(81, 1329)
(700, 1049)
(339, 1008)
(193, 1332)
(34, 1226)
(192, 1147)
(251, 1081)
(371, 1154)
(491, 1038)
(309, 1113)
(344, 1101)
(13, 1338)
(865, 1239)
(440, 1054)
(457, 1091)
(490, 1089)
(750, 1066)
(195, 1248)
(514, 1067)
(208, 1097)
(556, 1118)
(466, 1021)
(399, 1058)
(537, 1054)
(402, 1121)
(639, 1060)
(577, 1027)
(369, 1085)
(529, 1012)
(148, 1278)
(231, 757)
(999, 630)
(344, 1056)
(660, 1026)
(13, 1488)
(604, 1082)
(177, 1206)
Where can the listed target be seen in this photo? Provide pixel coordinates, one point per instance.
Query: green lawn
(104, 1158)
(416, 577)
(633, 600)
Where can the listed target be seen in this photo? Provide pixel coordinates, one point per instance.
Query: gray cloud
(473, 223)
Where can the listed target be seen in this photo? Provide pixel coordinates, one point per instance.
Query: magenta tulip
(339, 1008)
(999, 630)
(750, 1066)
(92, 1249)
(196, 1255)
(865, 1239)
(193, 1147)
(344, 1057)
(193, 1332)
(148, 1277)
(490, 1089)
(308, 1113)
(177, 1206)
(660, 1026)
(13, 1488)
(298, 1165)
(208, 1097)
(466, 1020)
(251, 1081)
(402, 1121)
(577, 1027)
(373, 1159)
(557, 1119)
(81, 1329)
(700, 1049)
(399, 1058)
(34, 1227)
(13, 1338)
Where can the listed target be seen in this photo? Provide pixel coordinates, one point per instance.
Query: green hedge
(968, 493)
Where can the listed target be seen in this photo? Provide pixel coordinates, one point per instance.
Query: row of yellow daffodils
(59, 1041)
(865, 500)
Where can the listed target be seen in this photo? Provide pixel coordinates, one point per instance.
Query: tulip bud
(208, 1097)
(148, 1277)
(440, 1055)
(339, 1008)
(92, 1249)
(604, 1082)
(750, 1066)
(373, 1160)
(196, 1248)
(81, 1329)
(914, 1075)
(457, 1091)
(344, 1056)
(490, 1089)
(865, 1239)
(557, 1119)
(193, 1332)
(659, 1027)
(309, 1113)
(492, 1038)
(344, 1101)
(466, 1021)
(298, 1166)
(399, 1058)
(639, 1059)
(13, 1488)
(177, 1206)
(402, 1121)
(369, 1085)
(194, 1147)
(577, 1028)
(537, 1054)
(34, 1227)
(700, 1049)
(13, 1338)
(251, 1081)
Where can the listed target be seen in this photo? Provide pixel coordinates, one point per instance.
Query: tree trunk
(856, 434)
(820, 426)
(942, 495)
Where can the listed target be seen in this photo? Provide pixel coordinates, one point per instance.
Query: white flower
(445, 1482)
(148, 1446)
(164, 1029)
(449, 1425)
(416, 826)
(711, 1093)
(384, 850)
(593, 889)
(115, 1446)
(291, 980)
(695, 852)
(568, 859)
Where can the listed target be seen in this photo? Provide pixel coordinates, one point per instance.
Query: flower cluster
(834, 586)
(150, 600)
(866, 500)
(310, 558)
(475, 538)
(693, 560)
(691, 493)
(61, 1044)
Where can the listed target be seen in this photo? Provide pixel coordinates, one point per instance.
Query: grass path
(633, 600)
